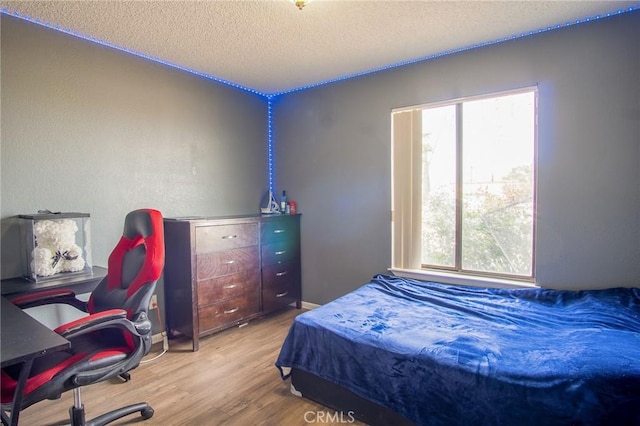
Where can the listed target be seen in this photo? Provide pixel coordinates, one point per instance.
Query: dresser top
(229, 218)
(194, 218)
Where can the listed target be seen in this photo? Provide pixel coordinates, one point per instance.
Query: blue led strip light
(345, 77)
(462, 49)
(270, 141)
(6, 11)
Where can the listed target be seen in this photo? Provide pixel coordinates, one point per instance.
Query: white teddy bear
(56, 249)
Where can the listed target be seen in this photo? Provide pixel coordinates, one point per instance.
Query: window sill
(460, 279)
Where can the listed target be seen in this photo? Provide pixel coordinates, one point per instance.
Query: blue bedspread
(446, 355)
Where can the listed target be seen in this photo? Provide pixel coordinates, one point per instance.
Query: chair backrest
(135, 265)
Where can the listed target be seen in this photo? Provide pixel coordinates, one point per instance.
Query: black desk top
(80, 283)
(25, 338)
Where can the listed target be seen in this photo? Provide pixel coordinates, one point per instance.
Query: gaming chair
(116, 334)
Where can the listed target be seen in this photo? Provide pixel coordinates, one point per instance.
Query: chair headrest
(138, 222)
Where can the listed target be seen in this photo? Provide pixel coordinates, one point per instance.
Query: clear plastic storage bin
(56, 245)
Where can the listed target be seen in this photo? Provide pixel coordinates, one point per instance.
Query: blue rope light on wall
(270, 141)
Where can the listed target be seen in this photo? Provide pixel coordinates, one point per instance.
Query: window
(464, 185)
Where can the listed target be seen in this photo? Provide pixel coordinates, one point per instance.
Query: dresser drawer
(228, 286)
(273, 299)
(287, 271)
(280, 252)
(280, 286)
(275, 276)
(281, 229)
(210, 265)
(228, 311)
(224, 237)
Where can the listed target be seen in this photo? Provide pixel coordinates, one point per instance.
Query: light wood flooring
(231, 380)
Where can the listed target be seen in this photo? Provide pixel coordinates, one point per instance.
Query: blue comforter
(445, 355)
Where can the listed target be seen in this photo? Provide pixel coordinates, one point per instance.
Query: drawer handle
(281, 274)
(230, 286)
(278, 253)
(229, 237)
(230, 311)
(229, 262)
(279, 231)
(282, 294)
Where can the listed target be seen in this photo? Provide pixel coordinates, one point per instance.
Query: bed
(398, 350)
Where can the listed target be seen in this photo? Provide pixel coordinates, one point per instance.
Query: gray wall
(91, 129)
(332, 155)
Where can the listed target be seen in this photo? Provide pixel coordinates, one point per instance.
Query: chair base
(77, 416)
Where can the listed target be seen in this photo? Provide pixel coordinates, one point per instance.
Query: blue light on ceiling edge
(462, 49)
(6, 11)
(270, 97)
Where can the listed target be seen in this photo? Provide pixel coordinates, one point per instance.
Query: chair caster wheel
(147, 413)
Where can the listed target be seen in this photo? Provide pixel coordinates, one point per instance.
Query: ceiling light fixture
(300, 3)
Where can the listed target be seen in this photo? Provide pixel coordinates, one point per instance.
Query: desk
(23, 340)
(80, 284)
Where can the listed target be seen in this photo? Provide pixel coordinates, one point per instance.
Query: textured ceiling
(270, 46)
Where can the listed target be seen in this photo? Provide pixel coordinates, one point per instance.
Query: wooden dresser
(221, 272)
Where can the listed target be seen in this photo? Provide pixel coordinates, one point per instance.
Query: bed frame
(344, 401)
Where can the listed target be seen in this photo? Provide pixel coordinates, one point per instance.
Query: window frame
(406, 197)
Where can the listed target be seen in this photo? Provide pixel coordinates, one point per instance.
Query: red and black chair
(116, 334)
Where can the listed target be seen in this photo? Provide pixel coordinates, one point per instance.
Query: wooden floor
(231, 380)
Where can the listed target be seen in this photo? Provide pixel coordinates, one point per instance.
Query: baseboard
(309, 305)
(157, 338)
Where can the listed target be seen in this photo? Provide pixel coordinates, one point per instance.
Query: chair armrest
(93, 322)
(139, 329)
(48, 297)
(113, 318)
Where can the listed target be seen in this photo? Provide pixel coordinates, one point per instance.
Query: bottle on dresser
(283, 203)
